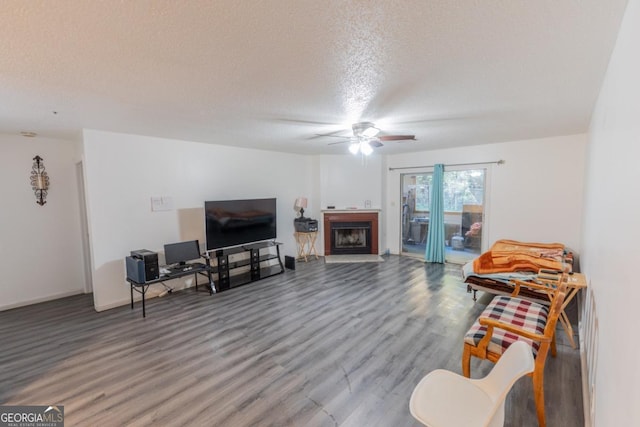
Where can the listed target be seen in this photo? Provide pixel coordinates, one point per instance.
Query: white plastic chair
(445, 399)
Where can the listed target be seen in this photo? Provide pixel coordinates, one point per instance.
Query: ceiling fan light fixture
(361, 127)
(366, 148)
(370, 132)
(366, 137)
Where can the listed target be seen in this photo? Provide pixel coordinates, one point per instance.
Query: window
(464, 187)
(463, 211)
(423, 192)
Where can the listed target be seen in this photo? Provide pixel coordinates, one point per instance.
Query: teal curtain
(435, 238)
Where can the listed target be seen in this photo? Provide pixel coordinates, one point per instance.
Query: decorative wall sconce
(39, 180)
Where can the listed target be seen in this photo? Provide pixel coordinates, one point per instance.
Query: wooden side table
(306, 244)
(575, 282)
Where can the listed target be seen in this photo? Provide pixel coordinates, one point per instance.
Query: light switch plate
(161, 203)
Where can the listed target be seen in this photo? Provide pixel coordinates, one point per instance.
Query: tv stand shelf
(255, 256)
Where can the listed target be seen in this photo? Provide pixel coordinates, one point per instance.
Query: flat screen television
(236, 222)
(181, 252)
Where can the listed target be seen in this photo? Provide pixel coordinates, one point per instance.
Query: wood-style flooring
(322, 345)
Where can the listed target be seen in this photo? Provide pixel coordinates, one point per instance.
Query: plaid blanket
(524, 314)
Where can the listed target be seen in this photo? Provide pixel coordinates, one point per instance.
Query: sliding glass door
(464, 191)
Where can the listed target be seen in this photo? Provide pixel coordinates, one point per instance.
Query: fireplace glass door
(351, 238)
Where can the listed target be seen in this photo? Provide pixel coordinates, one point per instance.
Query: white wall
(40, 246)
(536, 195)
(611, 242)
(347, 181)
(125, 171)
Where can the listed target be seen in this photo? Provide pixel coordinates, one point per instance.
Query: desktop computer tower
(135, 269)
(142, 266)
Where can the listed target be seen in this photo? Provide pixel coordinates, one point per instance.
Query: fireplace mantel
(350, 216)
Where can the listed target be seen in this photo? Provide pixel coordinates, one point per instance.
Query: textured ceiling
(274, 74)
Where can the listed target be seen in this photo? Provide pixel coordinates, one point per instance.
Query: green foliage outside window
(460, 188)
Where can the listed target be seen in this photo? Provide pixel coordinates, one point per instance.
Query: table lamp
(300, 204)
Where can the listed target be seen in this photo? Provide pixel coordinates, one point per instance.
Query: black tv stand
(255, 256)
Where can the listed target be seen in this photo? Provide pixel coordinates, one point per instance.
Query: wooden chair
(508, 319)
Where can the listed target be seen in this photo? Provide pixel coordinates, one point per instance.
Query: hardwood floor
(324, 345)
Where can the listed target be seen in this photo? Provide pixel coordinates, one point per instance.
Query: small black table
(187, 269)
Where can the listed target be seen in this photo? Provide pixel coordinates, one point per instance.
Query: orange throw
(511, 255)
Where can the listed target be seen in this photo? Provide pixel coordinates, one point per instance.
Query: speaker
(150, 267)
(290, 262)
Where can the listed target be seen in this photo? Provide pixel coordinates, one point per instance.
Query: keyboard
(185, 267)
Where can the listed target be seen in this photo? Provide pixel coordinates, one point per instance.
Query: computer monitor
(181, 252)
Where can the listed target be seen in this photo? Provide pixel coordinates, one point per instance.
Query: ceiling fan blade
(306, 122)
(397, 137)
(337, 142)
(376, 144)
(333, 134)
(330, 135)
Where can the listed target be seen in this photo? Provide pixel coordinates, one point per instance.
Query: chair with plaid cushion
(508, 319)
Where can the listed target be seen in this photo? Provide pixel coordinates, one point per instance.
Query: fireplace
(348, 233)
(350, 237)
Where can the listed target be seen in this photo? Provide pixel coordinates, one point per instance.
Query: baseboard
(115, 304)
(584, 371)
(587, 334)
(43, 299)
(586, 397)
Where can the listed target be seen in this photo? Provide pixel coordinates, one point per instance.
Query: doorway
(464, 212)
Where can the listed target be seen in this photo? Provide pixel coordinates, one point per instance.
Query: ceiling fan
(366, 136)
